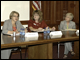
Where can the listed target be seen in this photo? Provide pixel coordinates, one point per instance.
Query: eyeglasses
(16, 16)
(36, 15)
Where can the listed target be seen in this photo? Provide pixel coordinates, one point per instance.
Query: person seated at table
(11, 25)
(37, 23)
(68, 24)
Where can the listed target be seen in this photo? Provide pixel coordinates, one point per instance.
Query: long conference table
(42, 47)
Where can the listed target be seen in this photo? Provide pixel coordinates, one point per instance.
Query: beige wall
(23, 7)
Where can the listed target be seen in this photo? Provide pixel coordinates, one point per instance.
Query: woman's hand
(26, 30)
(40, 29)
(47, 28)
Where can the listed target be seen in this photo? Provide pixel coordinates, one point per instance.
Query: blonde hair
(12, 13)
(70, 14)
(39, 13)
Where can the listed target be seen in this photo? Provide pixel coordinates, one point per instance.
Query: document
(44, 30)
(69, 30)
(12, 34)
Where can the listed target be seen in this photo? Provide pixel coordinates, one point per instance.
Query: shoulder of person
(31, 21)
(73, 22)
(43, 21)
(17, 21)
(7, 20)
(63, 21)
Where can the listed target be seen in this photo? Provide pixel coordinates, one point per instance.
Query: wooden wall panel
(71, 8)
(46, 9)
(52, 12)
(58, 11)
(76, 12)
(65, 8)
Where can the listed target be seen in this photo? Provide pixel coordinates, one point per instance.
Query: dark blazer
(8, 26)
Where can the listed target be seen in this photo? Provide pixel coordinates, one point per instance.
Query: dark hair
(39, 13)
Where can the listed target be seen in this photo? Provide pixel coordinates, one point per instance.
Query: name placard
(31, 34)
(77, 31)
(31, 38)
(56, 34)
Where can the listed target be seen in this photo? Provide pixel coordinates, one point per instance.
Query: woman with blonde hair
(37, 23)
(11, 25)
(68, 24)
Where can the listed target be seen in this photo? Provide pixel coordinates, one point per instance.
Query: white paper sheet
(69, 30)
(12, 34)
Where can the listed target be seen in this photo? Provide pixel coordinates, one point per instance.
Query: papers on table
(44, 30)
(69, 30)
(16, 34)
(12, 34)
(56, 34)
